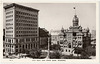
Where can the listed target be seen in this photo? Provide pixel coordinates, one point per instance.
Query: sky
(54, 16)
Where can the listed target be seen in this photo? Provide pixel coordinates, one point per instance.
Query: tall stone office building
(21, 31)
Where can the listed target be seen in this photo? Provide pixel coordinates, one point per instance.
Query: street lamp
(48, 48)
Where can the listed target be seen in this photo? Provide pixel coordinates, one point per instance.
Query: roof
(43, 32)
(55, 32)
(84, 30)
(80, 33)
(14, 4)
(61, 34)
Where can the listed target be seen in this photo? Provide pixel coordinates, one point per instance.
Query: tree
(78, 50)
(55, 47)
(55, 55)
(90, 50)
(25, 51)
(84, 55)
(34, 53)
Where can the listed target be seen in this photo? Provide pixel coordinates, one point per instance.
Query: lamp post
(48, 47)
(48, 50)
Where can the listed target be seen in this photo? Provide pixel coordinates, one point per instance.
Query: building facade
(43, 38)
(75, 37)
(55, 36)
(21, 31)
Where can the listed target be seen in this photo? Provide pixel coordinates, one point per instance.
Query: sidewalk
(92, 57)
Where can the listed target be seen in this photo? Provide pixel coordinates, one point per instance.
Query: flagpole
(74, 9)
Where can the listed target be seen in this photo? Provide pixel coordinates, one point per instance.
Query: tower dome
(75, 20)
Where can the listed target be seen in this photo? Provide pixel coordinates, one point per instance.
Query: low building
(43, 37)
(55, 36)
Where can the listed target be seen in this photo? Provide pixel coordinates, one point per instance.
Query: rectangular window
(16, 40)
(9, 35)
(69, 50)
(74, 34)
(9, 24)
(9, 16)
(66, 50)
(6, 40)
(31, 46)
(9, 31)
(9, 27)
(16, 46)
(9, 40)
(12, 46)
(16, 50)
(23, 46)
(26, 46)
(9, 12)
(9, 20)
(28, 39)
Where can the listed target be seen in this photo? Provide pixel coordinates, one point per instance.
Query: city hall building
(74, 37)
(21, 29)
